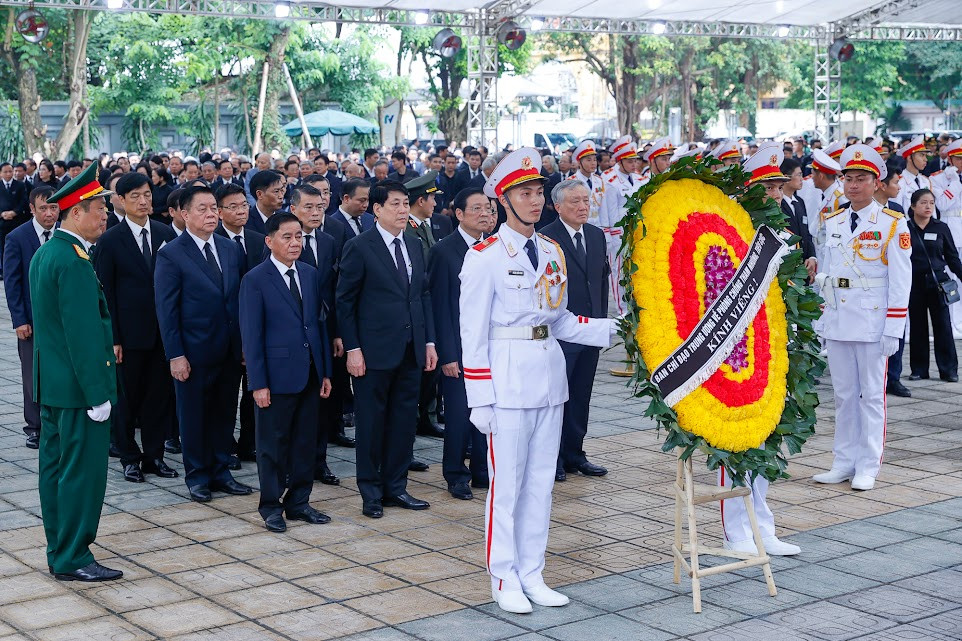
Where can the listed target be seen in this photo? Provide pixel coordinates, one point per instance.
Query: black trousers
(427, 395)
(458, 433)
(31, 411)
(341, 398)
(925, 301)
(149, 394)
(286, 436)
(580, 363)
(206, 411)
(385, 418)
(245, 442)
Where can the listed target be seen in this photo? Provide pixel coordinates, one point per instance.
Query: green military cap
(424, 185)
(84, 187)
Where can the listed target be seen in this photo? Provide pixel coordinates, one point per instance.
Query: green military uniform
(73, 370)
(422, 186)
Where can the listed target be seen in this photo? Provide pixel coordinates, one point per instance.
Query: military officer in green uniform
(74, 381)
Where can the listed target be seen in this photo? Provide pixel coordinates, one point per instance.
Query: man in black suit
(473, 210)
(233, 209)
(450, 181)
(322, 168)
(401, 172)
(584, 250)
(353, 207)
(794, 209)
(288, 369)
(124, 262)
(267, 188)
(114, 202)
(384, 317)
(471, 169)
(336, 229)
(19, 247)
(225, 176)
(13, 202)
(196, 284)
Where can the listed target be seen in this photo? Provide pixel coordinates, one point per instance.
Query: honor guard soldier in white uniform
(513, 313)
(916, 157)
(586, 157)
(694, 152)
(949, 184)
(834, 150)
(620, 182)
(865, 280)
(764, 168)
(822, 193)
(728, 152)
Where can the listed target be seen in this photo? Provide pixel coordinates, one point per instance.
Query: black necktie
(580, 248)
(854, 220)
(46, 237)
(209, 253)
(630, 181)
(295, 292)
(532, 253)
(357, 223)
(145, 246)
(799, 208)
(402, 269)
(309, 255)
(240, 243)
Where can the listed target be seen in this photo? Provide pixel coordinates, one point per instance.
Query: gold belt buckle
(844, 283)
(539, 332)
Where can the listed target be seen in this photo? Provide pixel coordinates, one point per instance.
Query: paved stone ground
(884, 565)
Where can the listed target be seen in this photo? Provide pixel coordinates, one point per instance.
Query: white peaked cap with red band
(864, 158)
(520, 166)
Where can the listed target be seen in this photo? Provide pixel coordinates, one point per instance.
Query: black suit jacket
(441, 226)
(112, 220)
(798, 225)
(367, 222)
(588, 281)
(255, 249)
(128, 283)
(444, 277)
(337, 230)
(337, 188)
(374, 312)
(18, 249)
(14, 199)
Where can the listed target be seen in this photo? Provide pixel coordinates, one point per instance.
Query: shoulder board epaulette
(81, 252)
(834, 213)
(838, 193)
(893, 213)
(935, 173)
(612, 179)
(484, 244)
(550, 240)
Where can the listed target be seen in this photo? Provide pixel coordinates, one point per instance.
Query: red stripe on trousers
(491, 499)
(721, 505)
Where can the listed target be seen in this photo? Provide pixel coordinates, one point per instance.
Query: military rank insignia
(81, 252)
(553, 273)
(905, 241)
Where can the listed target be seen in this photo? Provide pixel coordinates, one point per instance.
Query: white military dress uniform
(594, 183)
(618, 185)
(821, 202)
(949, 184)
(866, 278)
(909, 183)
(512, 317)
(763, 165)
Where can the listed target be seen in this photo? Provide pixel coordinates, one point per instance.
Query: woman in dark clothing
(160, 190)
(933, 249)
(45, 176)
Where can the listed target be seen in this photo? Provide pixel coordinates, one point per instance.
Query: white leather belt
(857, 283)
(526, 333)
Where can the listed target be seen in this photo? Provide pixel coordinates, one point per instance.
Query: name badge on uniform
(515, 272)
(836, 235)
(930, 236)
(804, 220)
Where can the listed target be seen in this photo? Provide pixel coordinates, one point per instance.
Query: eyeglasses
(237, 207)
(479, 210)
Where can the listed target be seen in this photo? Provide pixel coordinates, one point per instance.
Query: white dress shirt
(213, 247)
(283, 269)
(467, 237)
(38, 228)
(83, 242)
(389, 242)
(572, 231)
(136, 229)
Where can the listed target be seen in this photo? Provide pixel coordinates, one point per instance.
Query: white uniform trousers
(614, 260)
(734, 517)
(859, 373)
(955, 311)
(522, 458)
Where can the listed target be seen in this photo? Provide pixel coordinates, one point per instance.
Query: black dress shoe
(895, 388)
(275, 523)
(372, 509)
(160, 468)
(344, 441)
(113, 452)
(406, 501)
(133, 474)
(33, 441)
(309, 515)
(427, 427)
(560, 476)
(199, 493)
(917, 377)
(348, 419)
(418, 466)
(234, 463)
(172, 446)
(586, 468)
(231, 487)
(326, 476)
(90, 574)
(479, 484)
(461, 491)
(950, 378)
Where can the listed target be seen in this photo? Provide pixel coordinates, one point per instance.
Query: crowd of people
(314, 292)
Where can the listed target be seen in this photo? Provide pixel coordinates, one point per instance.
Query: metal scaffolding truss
(828, 91)
(482, 49)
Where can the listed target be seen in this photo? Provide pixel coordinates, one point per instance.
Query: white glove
(483, 419)
(100, 413)
(889, 346)
(951, 170)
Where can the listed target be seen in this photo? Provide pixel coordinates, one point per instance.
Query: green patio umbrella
(329, 121)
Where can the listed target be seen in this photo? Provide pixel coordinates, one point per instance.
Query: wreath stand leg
(687, 496)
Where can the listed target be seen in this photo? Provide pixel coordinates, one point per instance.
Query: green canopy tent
(329, 121)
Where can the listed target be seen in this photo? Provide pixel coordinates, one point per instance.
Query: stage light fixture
(511, 35)
(841, 50)
(282, 9)
(658, 28)
(447, 43)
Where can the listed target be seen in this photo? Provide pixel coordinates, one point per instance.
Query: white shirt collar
(282, 268)
(200, 243)
(177, 230)
(572, 231)
(83, 242)
(231, 234)
(518, 239)
(38, 228)
(467, 237)
(135, 229)
(387, 237)
(263, 217)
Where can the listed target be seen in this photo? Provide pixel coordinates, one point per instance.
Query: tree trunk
(77, 111)
(28, 97)
(276, 85)
(627, 93)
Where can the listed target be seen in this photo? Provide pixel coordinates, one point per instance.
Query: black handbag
(948, 289)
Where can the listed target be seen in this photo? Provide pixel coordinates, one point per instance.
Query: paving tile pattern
(884, 565)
